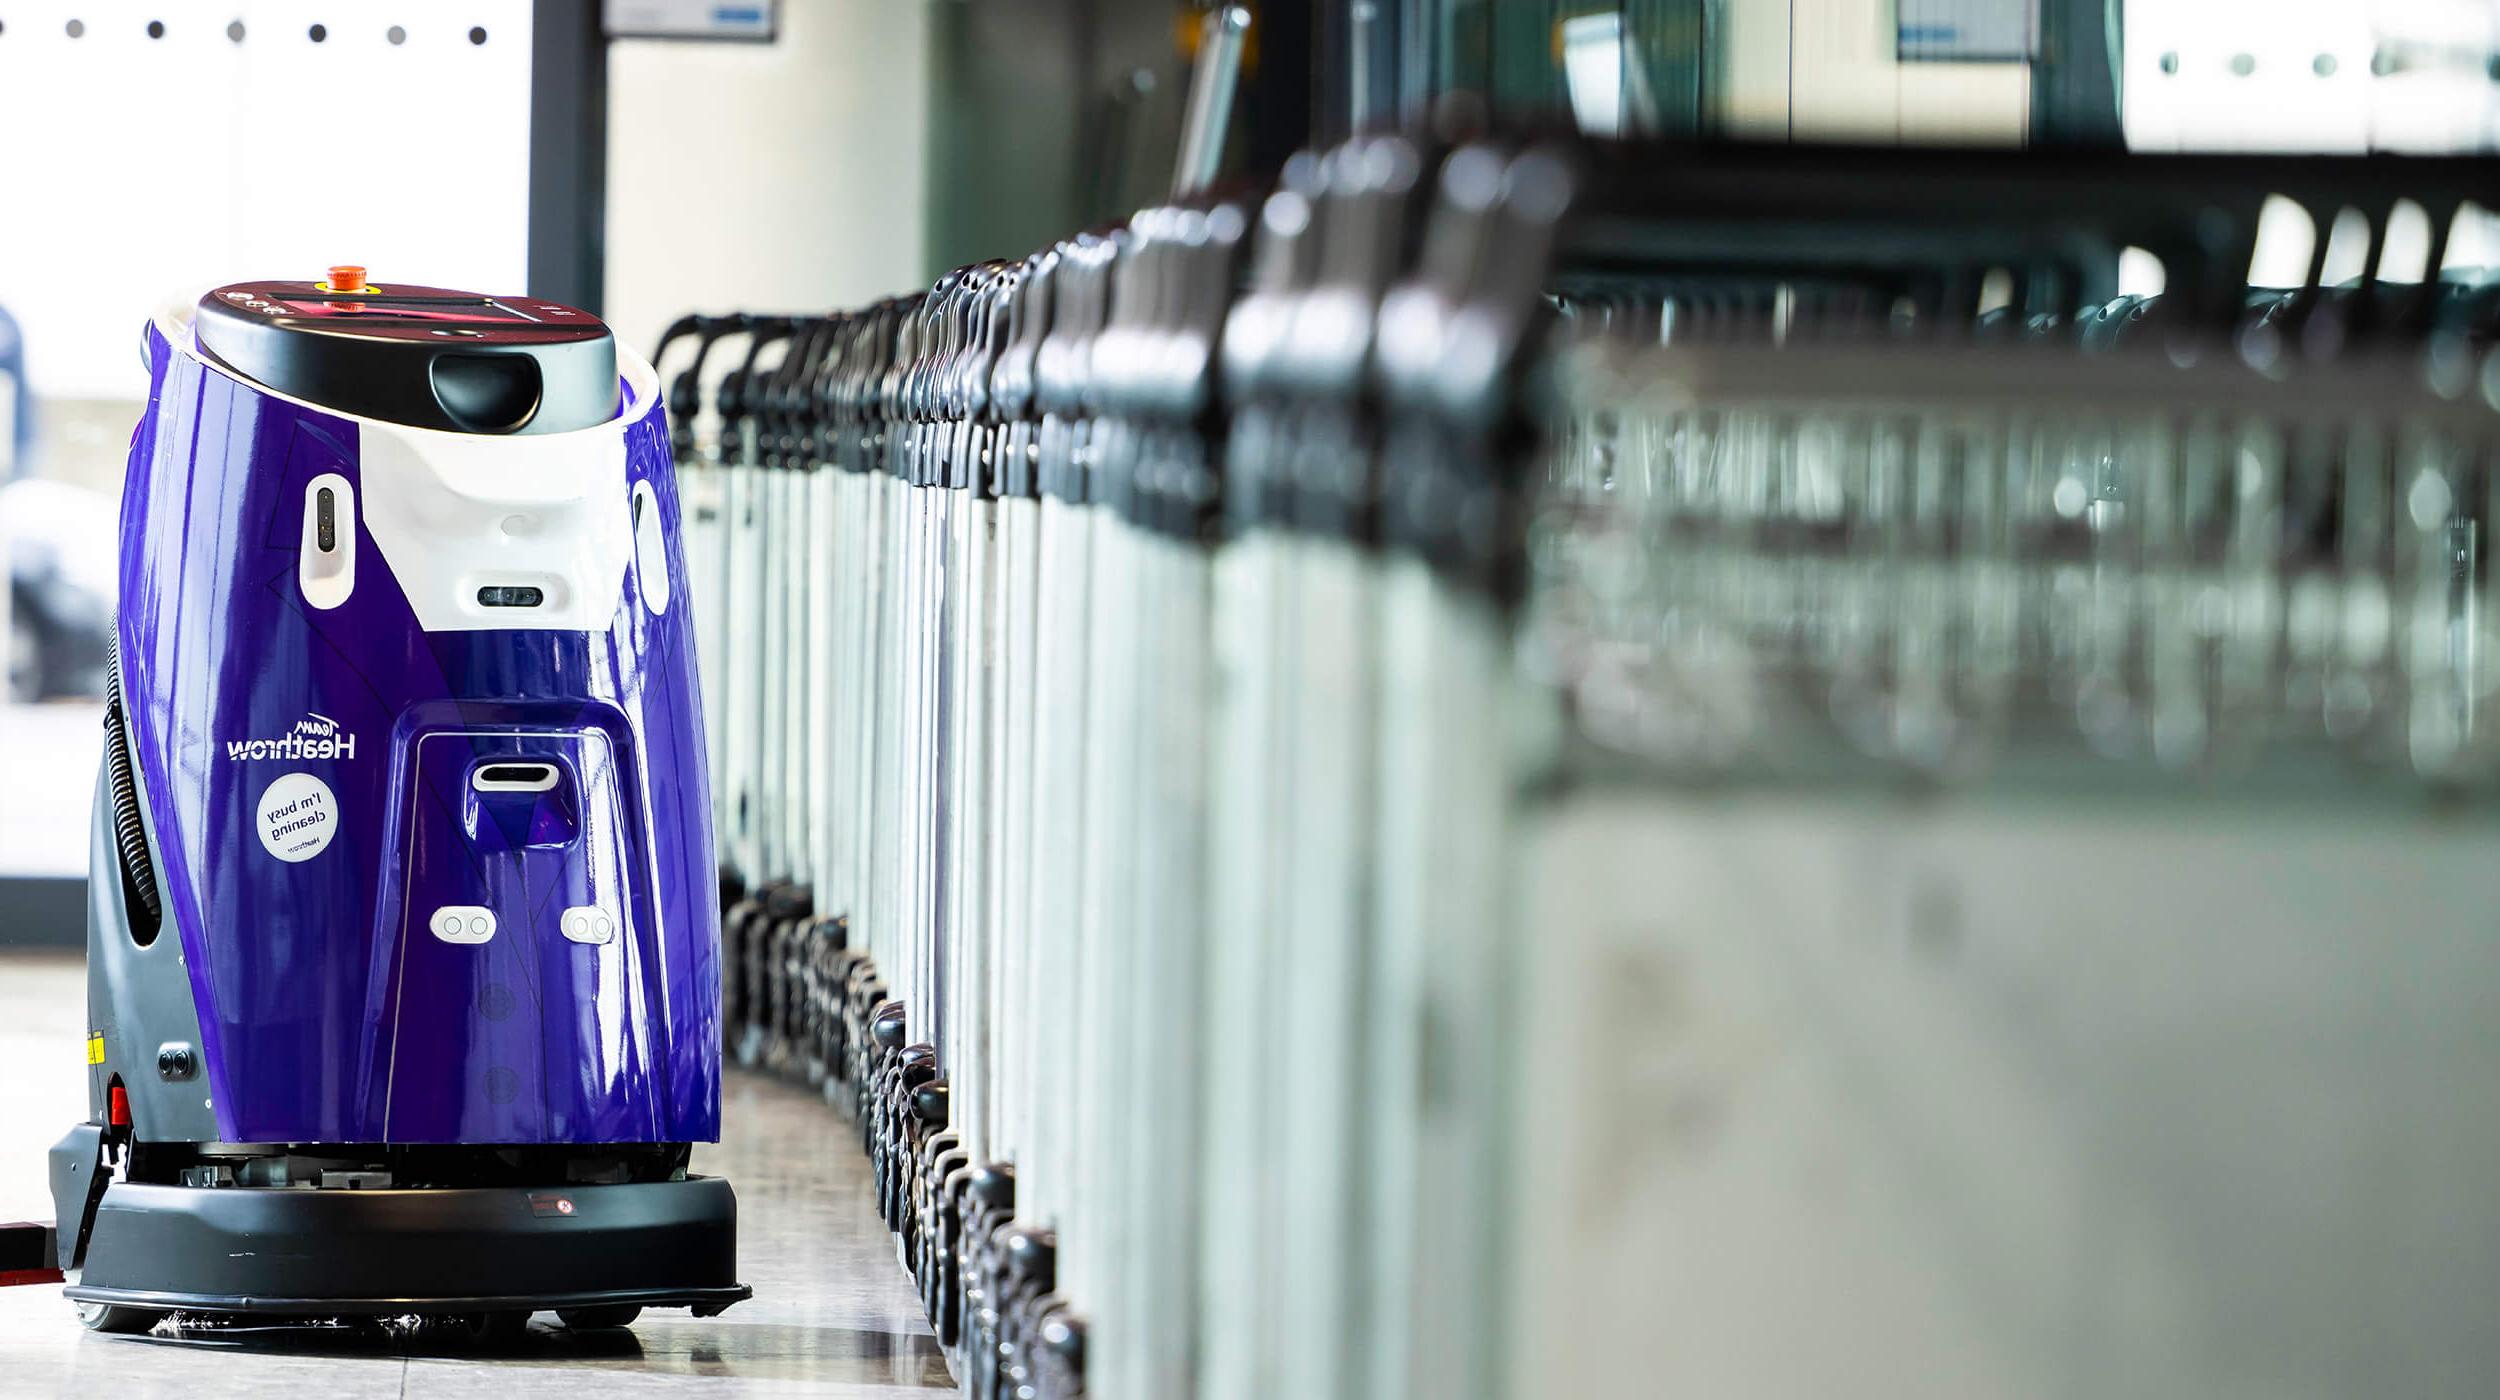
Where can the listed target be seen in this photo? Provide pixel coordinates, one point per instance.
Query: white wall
(137, 172)
(781, 177)
(2299, 75)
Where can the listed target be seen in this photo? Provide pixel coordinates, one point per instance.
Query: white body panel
(451, 513)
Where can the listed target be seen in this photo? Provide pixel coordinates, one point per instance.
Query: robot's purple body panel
(312, 779)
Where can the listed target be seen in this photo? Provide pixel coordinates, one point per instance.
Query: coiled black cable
(130, 837)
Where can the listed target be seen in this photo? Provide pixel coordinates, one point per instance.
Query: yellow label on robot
(95, 1047)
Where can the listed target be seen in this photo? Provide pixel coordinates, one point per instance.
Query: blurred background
(641, 158)
(650, 158)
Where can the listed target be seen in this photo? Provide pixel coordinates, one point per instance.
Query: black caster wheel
(117, 1319)
(592, 1319)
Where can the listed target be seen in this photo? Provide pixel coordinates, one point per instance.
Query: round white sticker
(298, 816)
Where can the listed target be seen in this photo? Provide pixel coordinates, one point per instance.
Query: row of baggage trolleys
(1141, 679)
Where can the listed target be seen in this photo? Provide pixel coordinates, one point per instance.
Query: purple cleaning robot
(403, 949)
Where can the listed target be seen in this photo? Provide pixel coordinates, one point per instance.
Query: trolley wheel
(591, 1319)
(117, 1318)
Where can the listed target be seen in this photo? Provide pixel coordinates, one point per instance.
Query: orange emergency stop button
(345, 279)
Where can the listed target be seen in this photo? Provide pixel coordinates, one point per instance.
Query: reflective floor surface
(833, 1313)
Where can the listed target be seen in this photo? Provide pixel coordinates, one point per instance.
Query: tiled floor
(833, 1313)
